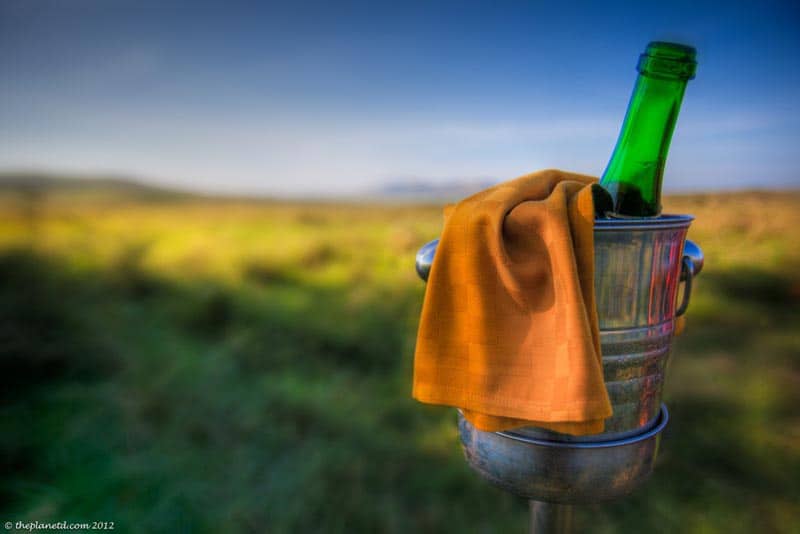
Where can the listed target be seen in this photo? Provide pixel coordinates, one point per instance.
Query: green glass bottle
(634, 173)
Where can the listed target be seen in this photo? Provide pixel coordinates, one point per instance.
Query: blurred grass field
(189, 364)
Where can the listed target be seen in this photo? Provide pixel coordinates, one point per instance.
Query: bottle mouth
(668, 61)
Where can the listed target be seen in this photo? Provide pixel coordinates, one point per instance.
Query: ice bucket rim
(662, 222)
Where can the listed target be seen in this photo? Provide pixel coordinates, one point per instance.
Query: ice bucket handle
(691, 265)
(687, 275)
(425, 259)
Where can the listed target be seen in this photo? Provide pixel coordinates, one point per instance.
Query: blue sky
(338, 97)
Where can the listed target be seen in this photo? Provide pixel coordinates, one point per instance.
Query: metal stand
(550, 518)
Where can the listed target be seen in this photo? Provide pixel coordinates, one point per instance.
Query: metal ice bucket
(639, 264)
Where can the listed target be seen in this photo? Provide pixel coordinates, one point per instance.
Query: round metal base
(562, 471)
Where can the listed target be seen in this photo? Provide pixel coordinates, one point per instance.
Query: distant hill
(419, 190)
(123, 188)
(91, 187)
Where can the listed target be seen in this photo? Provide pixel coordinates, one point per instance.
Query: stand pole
(550, 518)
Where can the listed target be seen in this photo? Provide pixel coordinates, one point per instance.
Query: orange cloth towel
(509, 329)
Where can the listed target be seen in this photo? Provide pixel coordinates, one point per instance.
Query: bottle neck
(634, 173)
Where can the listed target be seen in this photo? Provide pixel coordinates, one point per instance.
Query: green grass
(201, 365)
